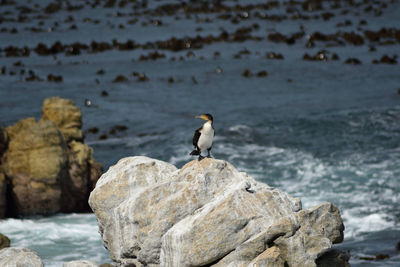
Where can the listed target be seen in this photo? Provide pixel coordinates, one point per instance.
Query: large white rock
(18, 256)
(206, 213)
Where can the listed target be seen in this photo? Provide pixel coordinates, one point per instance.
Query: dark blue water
(321, 131)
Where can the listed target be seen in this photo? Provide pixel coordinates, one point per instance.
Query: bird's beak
(203, 117)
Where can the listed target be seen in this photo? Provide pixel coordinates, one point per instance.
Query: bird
(203, 137)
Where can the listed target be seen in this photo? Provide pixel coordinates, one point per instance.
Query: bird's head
(206, 117)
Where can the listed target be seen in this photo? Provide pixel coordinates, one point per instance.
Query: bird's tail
(194, 153)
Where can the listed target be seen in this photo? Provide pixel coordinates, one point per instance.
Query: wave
(59, 238)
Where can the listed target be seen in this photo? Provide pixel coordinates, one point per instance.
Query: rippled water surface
(321, 131)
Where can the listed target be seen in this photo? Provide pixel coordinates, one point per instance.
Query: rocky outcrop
(206, 213)
(65, 115)
(18, 256)
(35, 161)
(47, 168)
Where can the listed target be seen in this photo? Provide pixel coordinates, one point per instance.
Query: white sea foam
(58, 238)
(347, 183)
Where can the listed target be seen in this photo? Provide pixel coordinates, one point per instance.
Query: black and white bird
(203, 137)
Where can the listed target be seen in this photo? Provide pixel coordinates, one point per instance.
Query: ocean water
(319, 130)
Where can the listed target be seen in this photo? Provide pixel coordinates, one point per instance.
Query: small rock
(100, 72)
(54, 78)
(103, 137)
(52, 8)
(262, 73)
(18, 256)
(272, 55)
(388, 60)
(120, 78)
(353, 61)
(120, 127)
(93, 130)
(104, 93)
(381, 256)
(247, 73)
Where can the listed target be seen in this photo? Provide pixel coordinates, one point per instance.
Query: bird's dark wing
(196, 137)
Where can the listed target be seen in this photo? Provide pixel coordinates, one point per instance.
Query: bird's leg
(208, 153)
(200, 157)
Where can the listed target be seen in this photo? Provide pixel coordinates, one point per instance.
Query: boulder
(207, 213)
(3, 198)
(46, 167)
(4, 241)
(80, 263)
(36, 163)
(18, 256)
(66, 116)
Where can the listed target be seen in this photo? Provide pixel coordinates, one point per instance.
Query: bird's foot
(200, 157)
(209, 156)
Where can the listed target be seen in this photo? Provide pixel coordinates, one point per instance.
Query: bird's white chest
(206, 137)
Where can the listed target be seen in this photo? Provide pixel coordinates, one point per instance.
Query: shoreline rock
(46, 167)
(207, 213)
(19, 256)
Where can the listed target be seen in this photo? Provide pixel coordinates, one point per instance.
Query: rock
(80, 263)
(207, 213)
(353, 61)
(3, 199)
(45, 173)
(18, 256)
(120, 78)
(270, 257)
(4, 241)
(334, 258)
(110, 194)
(83, 173)
(3, 141)
(66, 116)
(36, 163)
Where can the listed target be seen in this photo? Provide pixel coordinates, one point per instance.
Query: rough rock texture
(334, 258)
(36, 162)
(3, 191)
(17, 256)
(84, 173)
(45, 173)
(66, 115)
(3, 141)
(206, 213)
(80, 263)
(4, 241)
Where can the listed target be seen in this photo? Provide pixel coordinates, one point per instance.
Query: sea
(304, 98)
